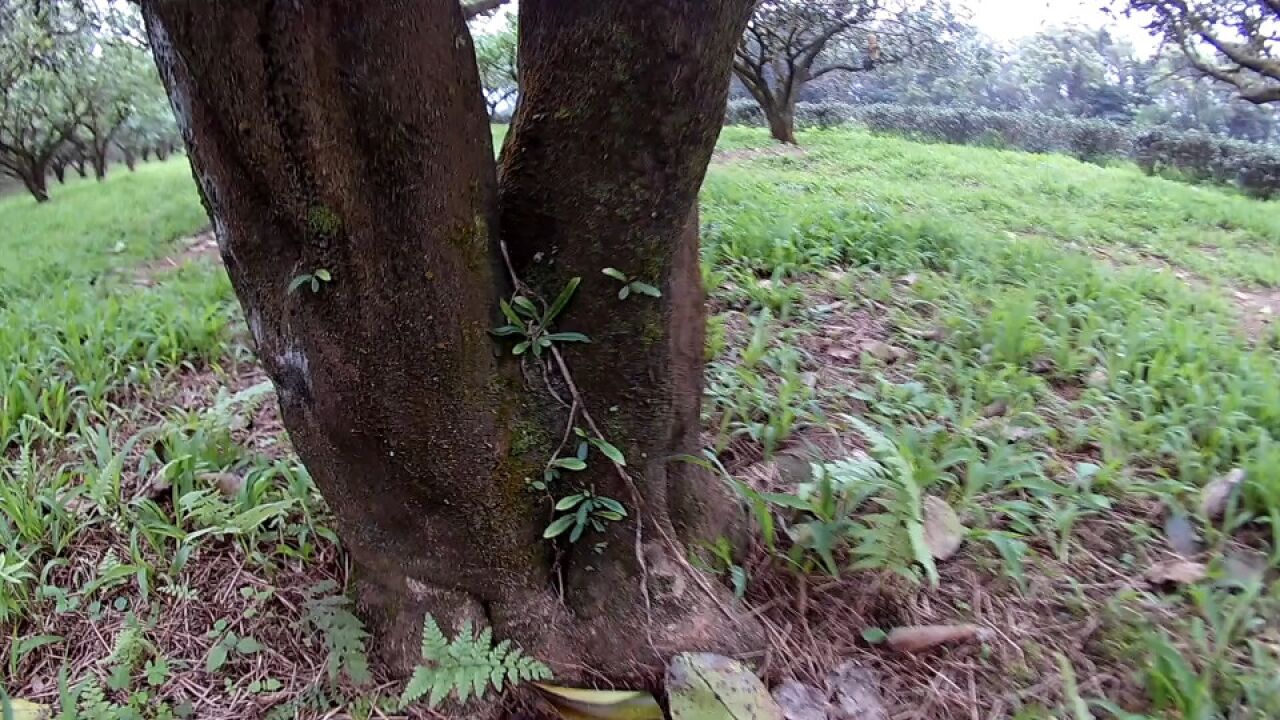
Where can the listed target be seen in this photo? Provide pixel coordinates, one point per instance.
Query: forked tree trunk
(777, 99)
(353, 137)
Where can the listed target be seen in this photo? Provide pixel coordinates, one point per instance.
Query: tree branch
(473, 10)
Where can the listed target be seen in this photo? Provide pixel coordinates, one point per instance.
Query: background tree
(496, 59)
(1232, 41)
(108, 80)
(352, 137)
(40, 106)
(789, 43)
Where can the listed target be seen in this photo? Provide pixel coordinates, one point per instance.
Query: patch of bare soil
(1257, 307)
(201, 246)
(743, 154)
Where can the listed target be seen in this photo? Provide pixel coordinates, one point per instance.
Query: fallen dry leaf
(883, 351)
(1181, 534)
(917, 638)
(229, 484)
(1175, 572)
(842, 353)
(587, 704)
(943, 532)
(1217, 494)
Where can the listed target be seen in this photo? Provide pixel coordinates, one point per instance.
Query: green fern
(343, 634)
(467, 666)
(94, 704)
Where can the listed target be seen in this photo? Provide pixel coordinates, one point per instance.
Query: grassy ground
(1064, 355)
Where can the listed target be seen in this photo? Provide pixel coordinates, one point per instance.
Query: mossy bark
(620, 109)
(352, 137)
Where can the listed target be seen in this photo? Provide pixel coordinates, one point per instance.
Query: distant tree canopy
(1236, 42)
(789, 43)
(76, 84)
(1070, 72)
(496, 60)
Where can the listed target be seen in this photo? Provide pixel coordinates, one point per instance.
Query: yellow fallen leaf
(584, 704)
(19, 709)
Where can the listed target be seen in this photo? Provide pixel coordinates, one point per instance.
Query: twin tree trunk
(352, 136)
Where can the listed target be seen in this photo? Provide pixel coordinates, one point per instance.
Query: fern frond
(419, 683)
(467, 666)
(434, 643)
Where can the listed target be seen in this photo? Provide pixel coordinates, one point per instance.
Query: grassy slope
(1059, 388)
(1063, 404)
(74, 328)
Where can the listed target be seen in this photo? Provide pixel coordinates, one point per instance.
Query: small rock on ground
(852, 693)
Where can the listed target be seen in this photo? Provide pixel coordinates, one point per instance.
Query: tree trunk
(354, 138)
(60, 171)
(34, 180)
(782, 120)
(146, 153)
(80, 167)
(779, 108)
(620, 108)
(130, 161)
(162, 151)
(100, 164)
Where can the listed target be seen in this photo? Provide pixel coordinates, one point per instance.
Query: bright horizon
(1009, 20)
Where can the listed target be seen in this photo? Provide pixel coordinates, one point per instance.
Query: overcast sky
(1011, 19)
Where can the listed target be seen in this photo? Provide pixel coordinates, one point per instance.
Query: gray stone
(801, 702)
(856, 694)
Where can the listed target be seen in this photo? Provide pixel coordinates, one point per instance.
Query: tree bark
(778, 106)
(621, 104)
(782, 121)
(353, 137)
(100, 164)
(35, 181)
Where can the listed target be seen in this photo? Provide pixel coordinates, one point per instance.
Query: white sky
(1007, 20)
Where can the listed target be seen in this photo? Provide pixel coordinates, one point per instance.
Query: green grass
(1002, 331)
(1051, 394)
(85, 231)
(75, 329)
